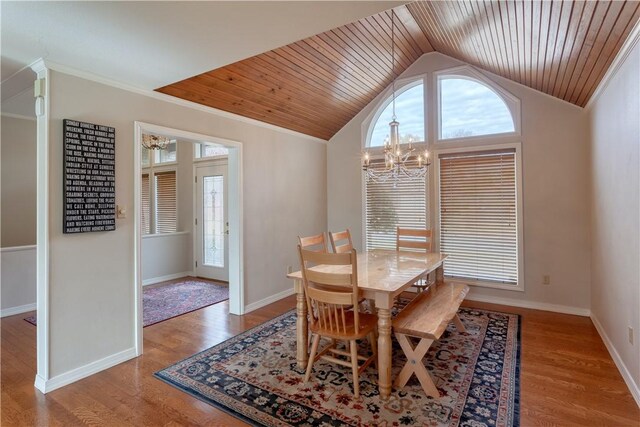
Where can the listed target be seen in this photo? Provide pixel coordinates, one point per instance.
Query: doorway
(211, 228)
(225, 223)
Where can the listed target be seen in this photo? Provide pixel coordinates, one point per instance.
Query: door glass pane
(213, 224)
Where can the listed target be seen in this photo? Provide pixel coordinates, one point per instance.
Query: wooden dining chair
(341, 241)
(418, 239)
(333, 312)
(316, 243)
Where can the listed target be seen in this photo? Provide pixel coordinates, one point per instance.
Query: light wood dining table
(382, 276)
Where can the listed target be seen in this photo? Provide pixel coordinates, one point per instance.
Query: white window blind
(401, 203)
(166, 202)
(478, 219)
(146, 204)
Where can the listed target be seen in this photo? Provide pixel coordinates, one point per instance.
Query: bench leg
(459, 325)
(415, 366)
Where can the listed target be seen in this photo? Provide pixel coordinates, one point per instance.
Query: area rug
(167, 301)
(254, 376)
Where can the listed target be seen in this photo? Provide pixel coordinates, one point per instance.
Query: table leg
(302, 339)
(384, 352)
(440, 275)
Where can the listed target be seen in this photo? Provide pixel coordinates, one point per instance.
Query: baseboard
(556, 308)
(40, 383)
(12, 311)
(266, 301)
(77, 374)
(626, 375)
(155, 280)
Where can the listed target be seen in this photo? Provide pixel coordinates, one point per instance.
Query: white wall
(91, 275)
(169, 256)
(555, 152)
(615, 229)
(23, 103)
(18, 154)
(165, 257)
(18, 293)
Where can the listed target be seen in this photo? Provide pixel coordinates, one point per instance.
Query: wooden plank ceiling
(316, 85)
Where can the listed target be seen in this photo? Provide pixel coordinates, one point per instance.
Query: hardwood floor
(567, 376)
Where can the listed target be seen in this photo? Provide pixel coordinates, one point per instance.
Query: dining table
(382, 276)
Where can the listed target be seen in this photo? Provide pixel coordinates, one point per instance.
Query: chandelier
(155, 142)
(399, 162)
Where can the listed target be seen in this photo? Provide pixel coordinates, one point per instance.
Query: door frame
(213, 162)
(235, 213)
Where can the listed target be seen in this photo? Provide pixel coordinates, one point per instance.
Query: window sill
(156, 235)
(486, 284)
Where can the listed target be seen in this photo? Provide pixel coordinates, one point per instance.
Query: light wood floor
(567, 378)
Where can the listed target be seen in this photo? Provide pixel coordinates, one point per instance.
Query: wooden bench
(426, 317)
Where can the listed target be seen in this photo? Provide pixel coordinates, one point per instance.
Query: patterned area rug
(254, 376)
(166, 301)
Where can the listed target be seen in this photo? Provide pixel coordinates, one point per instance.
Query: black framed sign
(89, 177)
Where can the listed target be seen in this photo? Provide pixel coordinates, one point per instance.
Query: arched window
(470, 108)
(409, 112)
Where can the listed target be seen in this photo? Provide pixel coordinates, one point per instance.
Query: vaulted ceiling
(316, 85)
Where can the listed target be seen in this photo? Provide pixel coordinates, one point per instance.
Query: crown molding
(17, 116)
(38, 65)
(620, 58)
(167, 98)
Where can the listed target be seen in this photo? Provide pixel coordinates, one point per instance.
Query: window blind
(166, 202)
(478, 222)
(391, 204)
(146, 204)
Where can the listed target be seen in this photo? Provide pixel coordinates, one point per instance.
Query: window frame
(517, 147)
(437, 146)
(198, 146)
(468, 73)
(384, 99)
(368, 124)
(152, 159)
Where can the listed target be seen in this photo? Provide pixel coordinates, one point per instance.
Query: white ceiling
(152, 44)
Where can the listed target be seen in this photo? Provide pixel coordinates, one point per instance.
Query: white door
(211, 223)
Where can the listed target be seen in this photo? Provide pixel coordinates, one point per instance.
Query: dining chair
(333, 312)
(316, 243)
(341, 241)
(415, 239)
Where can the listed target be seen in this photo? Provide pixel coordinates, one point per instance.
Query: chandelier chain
(393, 65)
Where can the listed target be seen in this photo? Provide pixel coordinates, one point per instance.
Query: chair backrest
(341, 241)
(315, 243)
(330, 293)
(411, 238)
